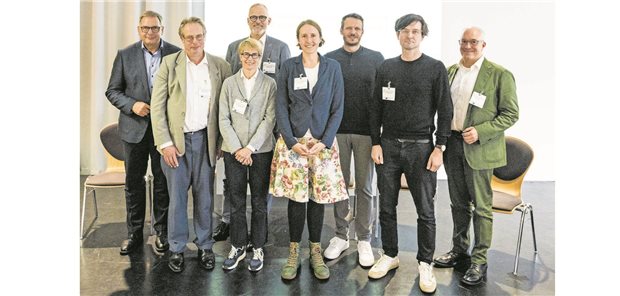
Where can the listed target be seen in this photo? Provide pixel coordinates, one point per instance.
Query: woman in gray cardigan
(247, 119)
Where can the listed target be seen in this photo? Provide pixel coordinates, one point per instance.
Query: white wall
(520, 35)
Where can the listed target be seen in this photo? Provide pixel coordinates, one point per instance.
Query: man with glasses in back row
(273, 54)
(186, 131)
(129, 90)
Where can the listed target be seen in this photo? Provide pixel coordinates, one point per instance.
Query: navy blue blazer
(298, 110)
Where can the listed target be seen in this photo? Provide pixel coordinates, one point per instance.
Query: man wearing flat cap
(410, 90)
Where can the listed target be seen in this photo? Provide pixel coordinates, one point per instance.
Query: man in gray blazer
(186, 131)
(275, 52)
(129, 90)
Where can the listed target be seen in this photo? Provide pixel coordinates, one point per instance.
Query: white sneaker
(364, 253)
(383, 265)
(335, 248)
(428, 283)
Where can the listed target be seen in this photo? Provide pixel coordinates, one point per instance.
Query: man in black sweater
(410, 90)
(359, 67)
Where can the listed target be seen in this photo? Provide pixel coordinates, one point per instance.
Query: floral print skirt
(300, 178)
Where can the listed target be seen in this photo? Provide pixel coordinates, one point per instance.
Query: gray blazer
(255, 126)
(129, 84)
(170, 102)
(275, 51)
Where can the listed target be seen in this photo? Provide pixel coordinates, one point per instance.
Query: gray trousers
(360, 146)
(194, 170)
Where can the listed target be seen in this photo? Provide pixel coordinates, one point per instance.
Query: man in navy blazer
(275, 52)
(129, 90)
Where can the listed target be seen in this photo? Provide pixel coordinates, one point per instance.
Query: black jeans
(410, 159)
(136, 163)
(237, 176)
(297, 216)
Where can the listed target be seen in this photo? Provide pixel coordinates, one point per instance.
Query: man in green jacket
(485, 105)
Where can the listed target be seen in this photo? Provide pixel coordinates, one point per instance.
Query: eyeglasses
(262, 18)
(146, 29)
(473, 42)
(247, 55)
(191, 38)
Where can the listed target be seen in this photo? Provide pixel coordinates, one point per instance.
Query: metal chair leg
(523, 212)
(533, 230)
(149, 190)
(82, 232)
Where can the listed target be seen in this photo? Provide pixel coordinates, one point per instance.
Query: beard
(355, 41)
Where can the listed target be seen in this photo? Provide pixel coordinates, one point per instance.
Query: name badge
(477, 99)
(239, 106)
(269, 67)
(389, 93)
(301, 83)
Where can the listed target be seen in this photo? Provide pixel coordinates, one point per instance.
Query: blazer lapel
(266, 51)
(322, 69)
(139, 56)
(257, 85)
(240, 87)
(481, 81)
(299, 69)
(179, 70)
(214, 76)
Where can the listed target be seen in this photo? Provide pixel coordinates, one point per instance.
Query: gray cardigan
(255, 126)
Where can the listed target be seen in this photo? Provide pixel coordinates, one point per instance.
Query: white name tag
(239, 106)
(477, 99)
(389, 94)
(269, 67)
(301, 83)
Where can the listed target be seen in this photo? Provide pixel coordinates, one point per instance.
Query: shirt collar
(476, 65)
(204, 60)
(253, 78)
(161, 45)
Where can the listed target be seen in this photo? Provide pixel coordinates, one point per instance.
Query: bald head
(472, 44)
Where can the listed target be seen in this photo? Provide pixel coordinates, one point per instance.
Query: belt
(457, 134)
(191, 133)
(420, 141)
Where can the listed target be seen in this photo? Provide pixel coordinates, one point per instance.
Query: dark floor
(104, 272)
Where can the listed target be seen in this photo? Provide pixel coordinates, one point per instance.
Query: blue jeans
(410, 159)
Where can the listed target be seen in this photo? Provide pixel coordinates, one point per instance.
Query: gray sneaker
(256, 263)
(235, 255)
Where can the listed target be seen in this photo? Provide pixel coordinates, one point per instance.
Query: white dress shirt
(461, 90)
(198, 95)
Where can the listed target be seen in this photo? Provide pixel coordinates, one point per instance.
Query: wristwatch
(441, 147)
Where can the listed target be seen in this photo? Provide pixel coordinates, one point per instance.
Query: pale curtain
(106, 27)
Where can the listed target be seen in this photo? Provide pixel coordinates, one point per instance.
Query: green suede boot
(289, 271)
(321, 271)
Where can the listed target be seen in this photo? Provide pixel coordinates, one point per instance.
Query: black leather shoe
(207, 258)
(475, 274)
(451, 259)
(131, 244)
(161, 243)
(221, 232)
(176, 262)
